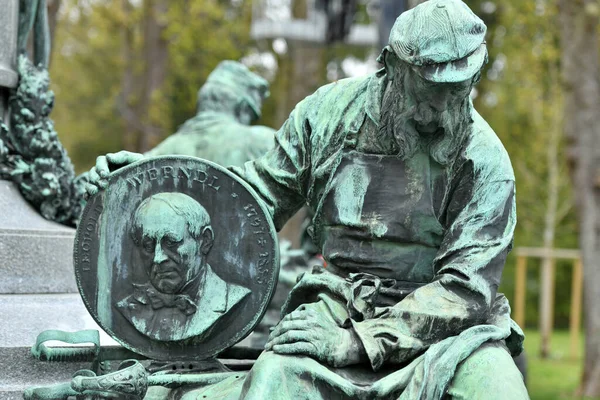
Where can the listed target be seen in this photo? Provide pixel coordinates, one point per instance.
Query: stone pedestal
(36, 255)
(37, 292)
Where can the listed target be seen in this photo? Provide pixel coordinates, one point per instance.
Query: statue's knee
(489, 371)
(270, 363)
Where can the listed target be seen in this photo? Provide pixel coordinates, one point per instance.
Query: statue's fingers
(295, 316)
(303, 348)
(116, 159)
(101, 168)
(93, 175)
(273, 335)
(286, 326)
(123, 158)
(96, 180)
(289, 337)
(90, 189)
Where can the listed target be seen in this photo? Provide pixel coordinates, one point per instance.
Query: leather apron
(379, 219)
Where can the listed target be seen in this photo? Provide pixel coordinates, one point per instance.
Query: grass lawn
(556, 377)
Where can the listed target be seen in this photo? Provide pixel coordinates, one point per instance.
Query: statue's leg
(282, 377)
(490, 373)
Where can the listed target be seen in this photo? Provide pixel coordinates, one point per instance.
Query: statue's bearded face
(432, 100)
(170, 254)
(419, 113)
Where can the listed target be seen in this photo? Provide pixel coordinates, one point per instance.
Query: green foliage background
(520, 95)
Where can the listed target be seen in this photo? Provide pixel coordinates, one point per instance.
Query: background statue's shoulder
(262, 134)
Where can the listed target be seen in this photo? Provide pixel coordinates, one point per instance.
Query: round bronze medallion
(176, 259)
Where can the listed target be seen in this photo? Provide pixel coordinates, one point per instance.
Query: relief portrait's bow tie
(160, 300)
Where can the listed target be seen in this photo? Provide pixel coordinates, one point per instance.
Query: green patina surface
(31, 154)
(33, 18)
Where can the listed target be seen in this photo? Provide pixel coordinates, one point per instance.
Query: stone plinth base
(36, 255)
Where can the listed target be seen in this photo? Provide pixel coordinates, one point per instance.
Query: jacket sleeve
(481, 218)
(280, 175)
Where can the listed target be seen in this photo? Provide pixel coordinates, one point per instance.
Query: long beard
(399, 117)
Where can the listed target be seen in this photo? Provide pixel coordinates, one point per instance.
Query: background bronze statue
(228, 102)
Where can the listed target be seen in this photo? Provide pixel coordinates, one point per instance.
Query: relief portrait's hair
(195, 214)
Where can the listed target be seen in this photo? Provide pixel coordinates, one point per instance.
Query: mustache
(422, 113)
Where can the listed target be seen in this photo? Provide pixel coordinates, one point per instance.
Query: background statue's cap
(442, 39)
(237, 78)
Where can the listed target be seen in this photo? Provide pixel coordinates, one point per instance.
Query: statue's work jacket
(415, 249)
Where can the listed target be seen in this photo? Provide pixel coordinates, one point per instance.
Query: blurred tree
(581, 77)
(136, 99)
(340, 17)
(201, 34)
(523, 85)
(86, 73)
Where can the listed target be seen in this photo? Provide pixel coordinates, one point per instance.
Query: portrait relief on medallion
(183, 296)
(176, 258)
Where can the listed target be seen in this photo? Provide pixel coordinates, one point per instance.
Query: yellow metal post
(576, 299)
(547, 280)
(520, 286)
(552, 292)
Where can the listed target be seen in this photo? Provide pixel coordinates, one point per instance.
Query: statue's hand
(98, 176)
(305, 332)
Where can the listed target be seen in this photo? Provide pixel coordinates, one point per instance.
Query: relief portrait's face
(170, 254)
